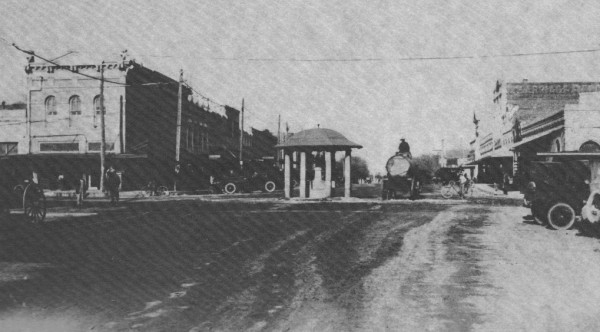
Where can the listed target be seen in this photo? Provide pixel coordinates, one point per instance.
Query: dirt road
(266, 266)
(473, 268)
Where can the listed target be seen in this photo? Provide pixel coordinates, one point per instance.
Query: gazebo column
(347, 173)
(328, 173)
(303, 174)
(287, 174)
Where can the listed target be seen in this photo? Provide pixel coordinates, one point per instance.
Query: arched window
(97, 105)
(589, 146)
(75, 105)
(556, 145)
(50, 105)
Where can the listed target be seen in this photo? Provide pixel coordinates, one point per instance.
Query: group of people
(112, 186)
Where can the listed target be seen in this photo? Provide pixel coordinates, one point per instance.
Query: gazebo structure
(318, 140)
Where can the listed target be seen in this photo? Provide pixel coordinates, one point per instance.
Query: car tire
(230, 188)
(270, 186)
(561, 216)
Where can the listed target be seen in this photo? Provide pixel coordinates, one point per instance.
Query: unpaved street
(189, 265)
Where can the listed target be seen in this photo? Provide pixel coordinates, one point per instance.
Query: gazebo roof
(318, 137)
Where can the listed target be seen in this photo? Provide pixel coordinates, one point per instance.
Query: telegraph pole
(278, 136)
(242, 138)
(178, 134)
(102, 129)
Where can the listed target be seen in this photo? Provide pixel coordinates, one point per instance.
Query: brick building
(534, 117)
(61, 133)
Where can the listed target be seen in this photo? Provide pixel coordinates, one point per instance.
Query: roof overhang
(536, 136)
(572, 155)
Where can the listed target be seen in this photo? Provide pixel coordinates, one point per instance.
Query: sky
(357, 67)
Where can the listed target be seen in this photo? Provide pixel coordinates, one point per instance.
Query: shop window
(75, 105)
(50, 104)
(8, 148)
(59, 147)
(95, 146)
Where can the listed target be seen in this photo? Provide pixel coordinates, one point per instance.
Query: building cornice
(50, 68)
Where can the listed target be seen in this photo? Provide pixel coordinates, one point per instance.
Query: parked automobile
(557, 191)
(236, 184)
(444, 175)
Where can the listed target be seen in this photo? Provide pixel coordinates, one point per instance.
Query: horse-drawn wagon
(27, 196)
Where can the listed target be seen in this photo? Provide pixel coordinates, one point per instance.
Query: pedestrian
(463, 179)
(81, 190)
(113, 182)
(505, 183)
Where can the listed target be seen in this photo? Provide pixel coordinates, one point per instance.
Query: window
(75, 105)
(589, 146)
(95, 146)
(59, 147)
(97, 105)
(50, 105)
(8, 148)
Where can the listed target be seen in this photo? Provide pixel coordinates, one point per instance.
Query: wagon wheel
(34, 203)
(446, 191)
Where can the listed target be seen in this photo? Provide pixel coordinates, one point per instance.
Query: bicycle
(452, 188)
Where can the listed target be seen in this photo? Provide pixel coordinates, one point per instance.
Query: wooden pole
(178, 133)
(102, 129)
(242, 138)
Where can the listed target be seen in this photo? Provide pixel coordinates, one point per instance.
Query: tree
(426, 165)
(359, 169)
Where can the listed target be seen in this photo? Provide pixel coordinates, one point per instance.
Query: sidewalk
(488, 190)
(92, 194)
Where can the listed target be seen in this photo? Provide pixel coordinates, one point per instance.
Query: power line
(397, 59)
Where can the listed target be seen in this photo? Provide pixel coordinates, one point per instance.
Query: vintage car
(444, 175)
(556, 192)
(236, 184)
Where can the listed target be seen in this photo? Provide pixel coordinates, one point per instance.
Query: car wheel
(230, 188)
(561, 216)
(270, 186)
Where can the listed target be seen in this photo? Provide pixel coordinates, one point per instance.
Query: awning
(536, 136)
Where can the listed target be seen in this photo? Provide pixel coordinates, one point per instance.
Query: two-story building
(539, 117)
(60, 133)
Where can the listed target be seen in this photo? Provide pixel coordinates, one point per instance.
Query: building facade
(536, 117)
(60, 132)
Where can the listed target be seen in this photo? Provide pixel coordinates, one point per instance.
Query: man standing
(404, 148)
(112, 184)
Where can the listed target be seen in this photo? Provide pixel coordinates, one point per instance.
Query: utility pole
(242, 138)
(102, 129)
(278, 136)
(178, 134)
